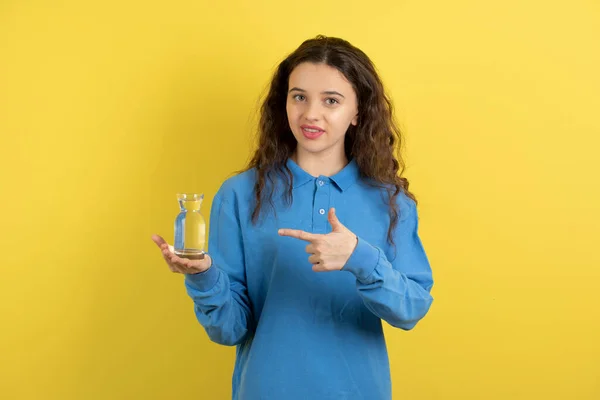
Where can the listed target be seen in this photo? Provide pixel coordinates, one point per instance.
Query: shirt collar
(343, 179)
(347, 176)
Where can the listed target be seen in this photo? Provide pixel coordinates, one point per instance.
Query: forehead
(319, 77)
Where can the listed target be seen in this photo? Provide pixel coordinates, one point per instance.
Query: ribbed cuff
(204, 281)
(363, 260)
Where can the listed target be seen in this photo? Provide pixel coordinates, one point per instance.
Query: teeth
(312, 130)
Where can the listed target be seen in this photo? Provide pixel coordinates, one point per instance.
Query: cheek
(341, 119)
(292, 111)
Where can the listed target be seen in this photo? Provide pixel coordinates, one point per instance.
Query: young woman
(316, 242)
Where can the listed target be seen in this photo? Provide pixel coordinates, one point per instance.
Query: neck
(325, 163)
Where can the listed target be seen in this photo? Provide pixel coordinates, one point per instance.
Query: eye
(299, 97)
(331, 101)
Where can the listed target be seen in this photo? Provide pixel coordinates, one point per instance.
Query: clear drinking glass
(190, 227)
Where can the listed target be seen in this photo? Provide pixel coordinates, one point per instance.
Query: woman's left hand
(328, 252)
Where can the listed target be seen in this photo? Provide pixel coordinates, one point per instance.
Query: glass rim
(190, 196)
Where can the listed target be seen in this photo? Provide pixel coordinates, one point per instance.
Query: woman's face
(321, 105)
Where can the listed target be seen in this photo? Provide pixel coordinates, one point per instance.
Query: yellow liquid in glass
(190, 230)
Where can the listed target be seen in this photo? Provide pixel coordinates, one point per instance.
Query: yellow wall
(107, 110)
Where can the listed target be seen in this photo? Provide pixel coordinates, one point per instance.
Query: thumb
(158, 240)
(336, 225)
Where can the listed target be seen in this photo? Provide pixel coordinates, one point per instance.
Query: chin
(312, 146)
(314, 150)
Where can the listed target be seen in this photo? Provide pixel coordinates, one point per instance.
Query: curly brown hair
(375, 142)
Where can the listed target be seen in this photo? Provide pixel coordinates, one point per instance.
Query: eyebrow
(329, 92)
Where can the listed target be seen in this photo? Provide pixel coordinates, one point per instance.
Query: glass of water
(190, 227)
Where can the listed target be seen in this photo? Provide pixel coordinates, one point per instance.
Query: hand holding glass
(187, 255)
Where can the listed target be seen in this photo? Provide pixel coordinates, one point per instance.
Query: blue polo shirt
(302, 334)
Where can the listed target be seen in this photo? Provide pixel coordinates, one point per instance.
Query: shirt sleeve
(220, 295)
(399, 291)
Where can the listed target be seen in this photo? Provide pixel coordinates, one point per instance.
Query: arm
(220, 295)
(398, 291)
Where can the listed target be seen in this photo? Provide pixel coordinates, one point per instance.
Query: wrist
(354, 242)
(201, 268)
(204, 280)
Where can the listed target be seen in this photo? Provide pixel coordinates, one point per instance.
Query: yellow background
(107, 109)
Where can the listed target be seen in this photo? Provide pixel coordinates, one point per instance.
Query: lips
(311, 132)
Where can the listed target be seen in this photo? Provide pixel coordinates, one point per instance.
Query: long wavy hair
(375, 142)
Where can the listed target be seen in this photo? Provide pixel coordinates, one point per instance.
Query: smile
(312, 132)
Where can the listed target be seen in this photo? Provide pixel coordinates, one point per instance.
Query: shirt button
(321, 183)
(321, 211)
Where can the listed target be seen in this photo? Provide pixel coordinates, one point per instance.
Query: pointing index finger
(298, 234)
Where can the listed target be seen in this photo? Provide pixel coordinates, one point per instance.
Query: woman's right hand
(178, 264)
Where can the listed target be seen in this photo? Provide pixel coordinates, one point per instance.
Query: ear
(354, 120)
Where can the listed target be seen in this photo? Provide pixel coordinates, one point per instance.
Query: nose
(313, 111)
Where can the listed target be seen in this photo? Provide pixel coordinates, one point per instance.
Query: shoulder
(237, 188)
(407, 206)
